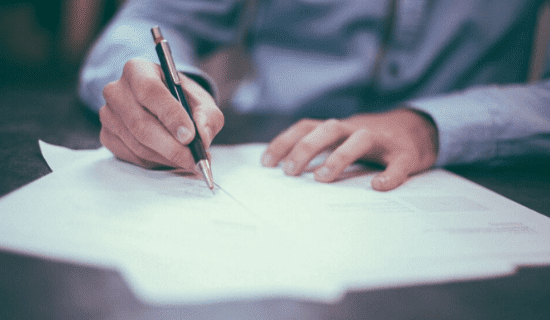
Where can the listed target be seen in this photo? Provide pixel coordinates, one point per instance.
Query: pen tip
(204, 167)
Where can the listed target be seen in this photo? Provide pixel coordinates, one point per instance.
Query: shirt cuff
(200, 77)
(464, 122)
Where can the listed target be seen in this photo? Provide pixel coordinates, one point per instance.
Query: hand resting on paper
(403, 140)
(144, 124)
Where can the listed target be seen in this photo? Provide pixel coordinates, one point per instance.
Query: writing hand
(405, 141)
(144, 124)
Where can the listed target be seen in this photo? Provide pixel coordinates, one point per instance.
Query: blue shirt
(461, 62)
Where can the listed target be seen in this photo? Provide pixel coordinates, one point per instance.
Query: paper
(267, 235)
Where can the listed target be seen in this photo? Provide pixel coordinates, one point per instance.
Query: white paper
(265, 234)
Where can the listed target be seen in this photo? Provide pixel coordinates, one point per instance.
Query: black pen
(174, 84)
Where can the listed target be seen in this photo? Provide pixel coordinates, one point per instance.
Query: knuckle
(333, 126)
(139, 129)
(219, 119)
(306, 146)
(362, 135)
(177, 156)
(130, 66)
(333, 167)
(137, 149)
(340, 157)
(308, 123)
(144, 84)
(301, 128)
(277, 150)
(210, 116)
(148, 89)
(140, 150)
(109, 90)
(332, 123)
(363, 132)
(170, 114)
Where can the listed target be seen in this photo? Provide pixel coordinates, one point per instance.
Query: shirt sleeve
(192, 28)
(491, 124)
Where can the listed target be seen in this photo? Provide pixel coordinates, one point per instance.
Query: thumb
(397, 171)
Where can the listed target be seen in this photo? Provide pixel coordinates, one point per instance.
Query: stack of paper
(263, 234)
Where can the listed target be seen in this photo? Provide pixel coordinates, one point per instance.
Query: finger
(121, 151)
(145, 82)
(356, 146)
(397, 171)
(146, 128)
(321, 138)
(283, 143)
(208, 117)
(111, 122)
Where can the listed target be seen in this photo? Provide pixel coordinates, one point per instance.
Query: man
(406, 83)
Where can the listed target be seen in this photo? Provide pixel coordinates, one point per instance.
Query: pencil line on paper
(236, 200)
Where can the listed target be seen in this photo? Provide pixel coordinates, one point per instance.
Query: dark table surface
(38, 288)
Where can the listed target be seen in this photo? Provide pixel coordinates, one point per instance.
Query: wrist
(423, 130)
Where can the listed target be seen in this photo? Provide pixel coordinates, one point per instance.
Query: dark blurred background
(42, 46)
(42, 42)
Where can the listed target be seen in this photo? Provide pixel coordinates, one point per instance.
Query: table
(38, 288)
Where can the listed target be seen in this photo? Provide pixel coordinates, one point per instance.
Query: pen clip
(167, 54)
(170, 62)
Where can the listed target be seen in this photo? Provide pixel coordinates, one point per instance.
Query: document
(262, 234)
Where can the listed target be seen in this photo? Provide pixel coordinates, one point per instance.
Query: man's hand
(144, 124)
(405, 141)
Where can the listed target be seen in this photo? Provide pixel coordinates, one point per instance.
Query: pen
(174, 84)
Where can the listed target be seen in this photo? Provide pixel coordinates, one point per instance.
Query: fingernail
(379, 182)
(267, 160)
(183, 134)
(289, 167)
(322, 173)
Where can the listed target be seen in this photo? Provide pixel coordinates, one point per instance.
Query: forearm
(491, 124)
(118, 44)
(128, 36)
